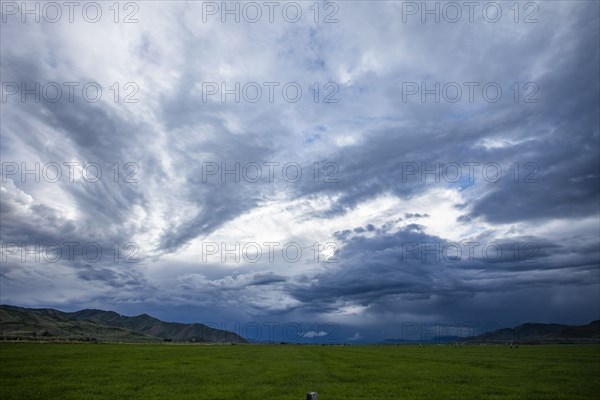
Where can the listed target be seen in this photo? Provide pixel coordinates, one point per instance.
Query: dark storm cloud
(115, 278)
(378, 272)
(86, 133)
(42, 225)
(566, 153)
(415, 215)
(266, 279)
(372, 136)
(556, 141)
(219, 198)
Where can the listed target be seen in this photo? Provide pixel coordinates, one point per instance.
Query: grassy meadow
(281, 372)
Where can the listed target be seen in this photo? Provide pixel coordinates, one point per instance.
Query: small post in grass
(311, 396)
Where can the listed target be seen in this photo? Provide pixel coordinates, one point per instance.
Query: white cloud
(312, 334)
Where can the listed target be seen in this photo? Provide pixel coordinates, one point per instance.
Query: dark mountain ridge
(104, 325)
(532, 333)
(544, 333)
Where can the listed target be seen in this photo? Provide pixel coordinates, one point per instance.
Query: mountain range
(109, 326)
(544, 333)
(528, 333)
(99, 325)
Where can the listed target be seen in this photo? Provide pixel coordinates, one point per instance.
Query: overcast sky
(351, 167)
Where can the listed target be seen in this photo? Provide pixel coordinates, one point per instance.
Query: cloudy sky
(349, 169)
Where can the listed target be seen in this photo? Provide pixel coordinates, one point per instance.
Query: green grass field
(163, 371)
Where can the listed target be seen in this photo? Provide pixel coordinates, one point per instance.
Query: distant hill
(544, 333)
(531, 333)
(104, 326)
(434, 339)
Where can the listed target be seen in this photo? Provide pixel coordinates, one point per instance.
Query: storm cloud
(184, 195)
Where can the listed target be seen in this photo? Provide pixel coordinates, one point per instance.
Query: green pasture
(286, 372)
